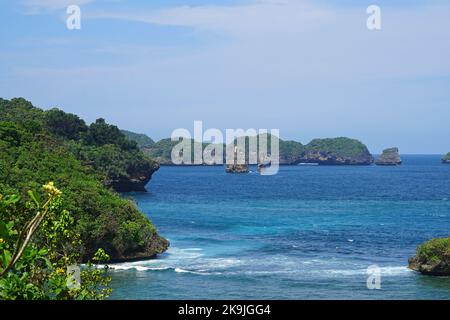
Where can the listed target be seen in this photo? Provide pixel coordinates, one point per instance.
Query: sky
(309, 68)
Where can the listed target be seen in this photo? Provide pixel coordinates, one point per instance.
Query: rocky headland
(432, 258)
(137, 177)
(89, 162)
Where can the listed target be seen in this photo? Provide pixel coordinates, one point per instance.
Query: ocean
(310, 232)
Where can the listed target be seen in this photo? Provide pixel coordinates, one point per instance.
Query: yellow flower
(51, 189)
(60, 271)
(2, 241)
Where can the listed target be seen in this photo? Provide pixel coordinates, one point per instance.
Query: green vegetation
(37, 251)
(290, 151)
(432, 258)
(446, 158)
(84, 161)
(342, 146)
(161, 151)
(143, 141)
(333, 151)
(434, 250)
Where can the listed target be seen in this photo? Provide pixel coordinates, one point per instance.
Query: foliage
(446, 157)
(33, 153)
(113, 162)
(40, 271)
(162, 150)
(289, 151)
(100, 133)
(63, 124)
(434, 250)
(143, 141)
(344, 147)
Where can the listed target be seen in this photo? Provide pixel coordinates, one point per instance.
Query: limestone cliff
(432, 258)
(389, 157)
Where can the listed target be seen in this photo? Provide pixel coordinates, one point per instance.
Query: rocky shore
(154, 246)
(137, 178)
(432, 258)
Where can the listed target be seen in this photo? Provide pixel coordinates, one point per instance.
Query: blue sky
(309, 68)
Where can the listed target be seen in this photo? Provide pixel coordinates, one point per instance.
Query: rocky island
(389, 157)
(446, 158)
(331, 151)
(336, 151)
(432, 258)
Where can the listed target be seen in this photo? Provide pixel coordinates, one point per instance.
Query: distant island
(446, 158)
(331, 151)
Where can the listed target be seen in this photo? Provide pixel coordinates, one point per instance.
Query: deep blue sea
(309, 232)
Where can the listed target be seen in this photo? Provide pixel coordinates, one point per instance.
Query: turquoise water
(306, 233)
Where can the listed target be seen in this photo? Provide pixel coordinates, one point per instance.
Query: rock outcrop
(432, 258)
(237, 168)
(137, 178)
(389, 157)
(446, 158)
(154, 246)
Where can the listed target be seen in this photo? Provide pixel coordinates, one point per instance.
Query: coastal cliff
(432, 258)
(89, 163)
(136, 179)
(153, 245)
(389, 157)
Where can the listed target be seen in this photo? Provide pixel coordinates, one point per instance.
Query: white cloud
(38, 6)
(303, 40)
(260, 16)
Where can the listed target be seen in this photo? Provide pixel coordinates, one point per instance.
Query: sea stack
(390, 157)
(235, 167)
(446, 158)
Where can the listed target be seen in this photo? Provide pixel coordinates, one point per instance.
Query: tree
(101, 133)
(63, 124)
(36, 251)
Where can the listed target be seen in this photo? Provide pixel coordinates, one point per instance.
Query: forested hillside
(86, 162)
